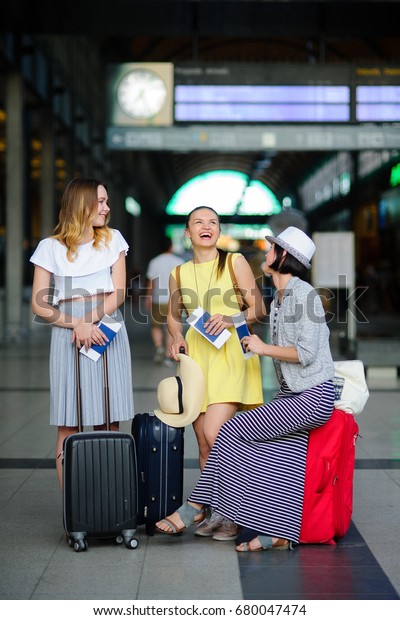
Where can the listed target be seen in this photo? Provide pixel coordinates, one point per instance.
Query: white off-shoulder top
(88, 274)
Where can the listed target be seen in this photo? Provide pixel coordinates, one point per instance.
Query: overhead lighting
(132, 206)
(228, 192)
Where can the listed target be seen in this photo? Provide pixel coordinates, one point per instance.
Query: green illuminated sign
(395, 175)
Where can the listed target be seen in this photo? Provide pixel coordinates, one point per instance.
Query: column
(15, 180)
(47, 182)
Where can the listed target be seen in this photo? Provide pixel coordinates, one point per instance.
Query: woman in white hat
(233, 383)
(256, 470)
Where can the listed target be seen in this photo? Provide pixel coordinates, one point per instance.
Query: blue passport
(197, 320)
(110, 328)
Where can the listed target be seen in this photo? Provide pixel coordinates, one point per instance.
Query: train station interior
(274, 113)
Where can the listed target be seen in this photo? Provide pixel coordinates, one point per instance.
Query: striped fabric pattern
(255, 472)
(63, 410)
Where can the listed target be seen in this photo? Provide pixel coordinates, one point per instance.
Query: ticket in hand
(110, 327)
(197, 320)
(242, 330)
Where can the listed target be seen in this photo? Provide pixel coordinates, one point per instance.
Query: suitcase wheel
(77, 542)
(80, 545)
(132, 543)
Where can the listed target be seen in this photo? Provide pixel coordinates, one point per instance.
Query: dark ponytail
(222, 256)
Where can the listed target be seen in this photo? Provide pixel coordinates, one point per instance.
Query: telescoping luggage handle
(79, 393)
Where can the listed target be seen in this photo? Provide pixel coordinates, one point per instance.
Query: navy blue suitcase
(99, 481)
(159, 450)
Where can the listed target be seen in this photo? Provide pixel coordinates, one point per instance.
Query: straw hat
(297, 243)
(180, 398)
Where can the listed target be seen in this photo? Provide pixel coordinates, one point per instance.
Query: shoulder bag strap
(238, 292)
(178, 284)
(178, 277)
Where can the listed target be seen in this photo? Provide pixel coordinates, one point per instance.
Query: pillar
(15, 179)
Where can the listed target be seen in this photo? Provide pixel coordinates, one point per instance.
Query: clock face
(141, 94)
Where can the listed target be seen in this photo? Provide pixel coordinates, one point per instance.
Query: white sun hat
(180, 398)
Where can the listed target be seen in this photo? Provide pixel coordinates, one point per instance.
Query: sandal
(187, 514)
(267, 544)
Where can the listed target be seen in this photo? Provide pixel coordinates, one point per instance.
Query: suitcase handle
(79, 392)
(106, 389)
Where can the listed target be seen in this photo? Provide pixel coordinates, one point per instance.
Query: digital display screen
(207, 103)
(378, 94)
(378, 103)
(262, 94)
(378, 112)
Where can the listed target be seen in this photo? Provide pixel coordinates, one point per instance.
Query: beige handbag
(351, 390)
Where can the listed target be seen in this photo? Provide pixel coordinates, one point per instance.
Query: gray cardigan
(300, 322)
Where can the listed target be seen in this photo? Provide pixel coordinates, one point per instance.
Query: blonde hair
(78, 209)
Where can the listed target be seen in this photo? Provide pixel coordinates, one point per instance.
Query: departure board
(285, 93)
(378, 103)
(262, 104)
(252, 93)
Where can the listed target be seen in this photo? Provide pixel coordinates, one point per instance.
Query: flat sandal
(187, 514)
(266, 545)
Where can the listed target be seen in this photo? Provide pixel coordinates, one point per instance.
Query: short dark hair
(288, 264)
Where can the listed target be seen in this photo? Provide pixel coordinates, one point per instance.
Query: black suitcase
(159, 450)
(99, 481)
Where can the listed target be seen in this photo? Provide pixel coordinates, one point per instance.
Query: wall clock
(141, 94)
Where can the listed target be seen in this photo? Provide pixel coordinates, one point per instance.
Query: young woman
(256, 469)
(83, 264)
(233, 383)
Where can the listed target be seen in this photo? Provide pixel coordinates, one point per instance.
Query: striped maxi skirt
(63, 409)
(255, 472)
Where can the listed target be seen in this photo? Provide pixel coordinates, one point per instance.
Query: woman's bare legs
(207, 427)
(63, 433)
(114, 426)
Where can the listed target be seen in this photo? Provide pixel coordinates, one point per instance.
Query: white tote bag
(351, 390)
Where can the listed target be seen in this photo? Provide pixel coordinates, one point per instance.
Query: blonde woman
(79, 277)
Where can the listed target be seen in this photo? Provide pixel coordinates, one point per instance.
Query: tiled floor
(36, 563)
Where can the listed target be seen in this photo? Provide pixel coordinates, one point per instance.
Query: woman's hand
(254, 344)
(86, 334)
(178, 343)
(216, 323)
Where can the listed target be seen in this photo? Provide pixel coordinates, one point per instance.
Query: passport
(242, 330)
(110, 327)
(197, 320)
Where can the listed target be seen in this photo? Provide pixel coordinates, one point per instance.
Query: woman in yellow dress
(233, 383)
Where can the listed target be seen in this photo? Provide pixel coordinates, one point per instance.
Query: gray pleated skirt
(63, 409)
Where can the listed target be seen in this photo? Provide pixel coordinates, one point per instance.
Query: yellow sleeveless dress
(230, 378)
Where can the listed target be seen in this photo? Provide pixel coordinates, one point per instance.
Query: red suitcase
(328, 492)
